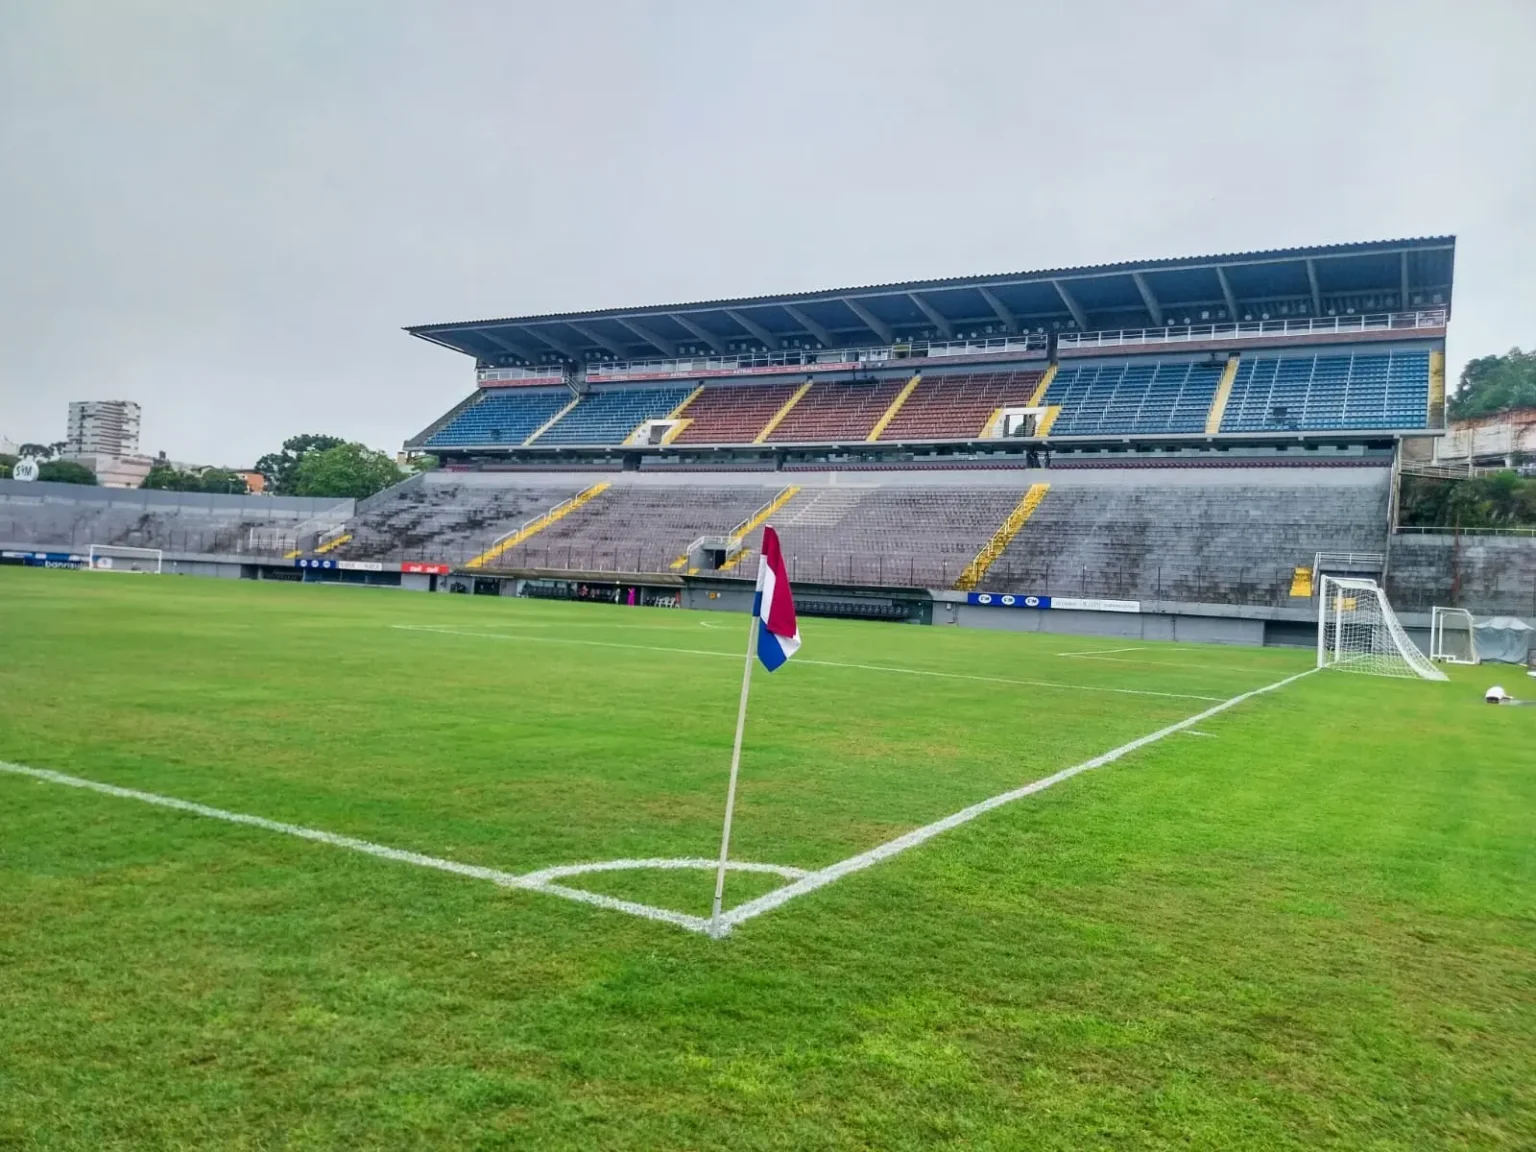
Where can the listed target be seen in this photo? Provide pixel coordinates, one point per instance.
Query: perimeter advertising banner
(46, 559)
(1064, 603)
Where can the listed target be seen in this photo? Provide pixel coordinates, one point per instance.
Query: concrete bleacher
(914, 536)
(1133, 396)
(1230, 536)
(73, 517)
(504, 416)
(445, 518)
(639, 528)
(1329, 391)
(836, 410)
(733, 414)
(609, 416)
(957, 405)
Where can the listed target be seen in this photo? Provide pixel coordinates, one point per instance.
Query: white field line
(912, 839)
(1102, 651)
(541, 880)
(1147, 662)
(1053, 684)
(533, 881)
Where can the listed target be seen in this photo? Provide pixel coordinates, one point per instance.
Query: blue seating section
(1133, 396)
(608, 417)
(1316, 393)
(504, 416)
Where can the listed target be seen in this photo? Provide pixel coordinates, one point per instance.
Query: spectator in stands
(1047, 457)
(1031, 459)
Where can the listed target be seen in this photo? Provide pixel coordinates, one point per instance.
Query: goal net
(118, 558)
(1357, 631)
(1451, 636)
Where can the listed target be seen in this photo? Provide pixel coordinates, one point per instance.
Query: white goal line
(544, 879)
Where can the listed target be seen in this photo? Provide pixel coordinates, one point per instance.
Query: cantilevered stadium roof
(1339, 279)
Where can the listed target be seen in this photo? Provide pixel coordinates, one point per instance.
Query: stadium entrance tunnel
(836, 601)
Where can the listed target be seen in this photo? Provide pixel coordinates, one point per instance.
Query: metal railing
(827, 359)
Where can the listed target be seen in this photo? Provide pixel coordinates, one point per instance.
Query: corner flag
(778, 635)
(773, 638)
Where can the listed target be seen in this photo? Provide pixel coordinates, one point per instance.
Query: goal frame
(1391, 653)
(1438, 617)
(109, 552)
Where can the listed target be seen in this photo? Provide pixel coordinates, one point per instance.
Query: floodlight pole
(730, 792)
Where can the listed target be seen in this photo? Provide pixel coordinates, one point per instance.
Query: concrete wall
(1491, 575)
(1116, 625)
(284, 507)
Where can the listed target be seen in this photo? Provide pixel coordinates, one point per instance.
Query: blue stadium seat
(609, 416)
(1330, 391)
(503, 416)
(1134, 396)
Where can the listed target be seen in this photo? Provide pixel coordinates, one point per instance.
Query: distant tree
(353, 470)
(423, 463)
(6, 464)
(281, 468)
(1492, 384)
(224, 481)
(1502, 500)
(36, 451)
(66, 472)
(167, 478)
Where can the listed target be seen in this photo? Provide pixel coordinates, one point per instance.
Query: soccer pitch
(1304, 920)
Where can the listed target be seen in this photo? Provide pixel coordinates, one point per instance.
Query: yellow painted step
(1004, 535)
(735, 560)
(778, 417)
(761, 515)
(534, 527)
(1037, 398)
(1301, 582)
(1219, 401)
(1437, 389)
(551, 422)
(331, 545)
(890, 413)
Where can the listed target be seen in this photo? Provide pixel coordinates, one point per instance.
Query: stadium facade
(1173, 448)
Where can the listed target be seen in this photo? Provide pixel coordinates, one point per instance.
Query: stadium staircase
(538, 524)
(896, 405)
(958, 406)
(833, 411)
(977, 568)
(1223, 395)
(784, 410)
(732, 414)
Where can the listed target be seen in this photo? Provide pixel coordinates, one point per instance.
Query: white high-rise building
(102, 427)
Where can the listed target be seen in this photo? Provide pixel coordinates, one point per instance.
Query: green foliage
(1502, 500)
(353, 470)
(281, 468)
(223, 481)
(164, 478)
(7, 462)
(65, 472)
(1309, 928)
(1493, 384)
(40, 452)
(423, 463)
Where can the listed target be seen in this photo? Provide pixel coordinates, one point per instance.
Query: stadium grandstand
(1207, 435)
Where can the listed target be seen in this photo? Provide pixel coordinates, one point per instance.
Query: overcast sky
(227, 210)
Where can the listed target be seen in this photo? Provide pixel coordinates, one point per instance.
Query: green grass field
(1309, 926)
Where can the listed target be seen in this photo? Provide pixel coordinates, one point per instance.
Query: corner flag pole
(730, 794)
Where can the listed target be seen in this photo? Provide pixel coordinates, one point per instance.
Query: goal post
(1357, 631)
(120, 558)
(1452, 637)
